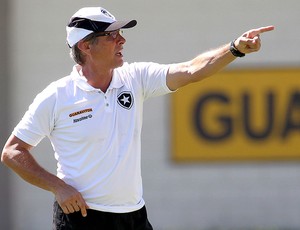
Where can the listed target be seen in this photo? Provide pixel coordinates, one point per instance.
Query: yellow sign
(238, 115)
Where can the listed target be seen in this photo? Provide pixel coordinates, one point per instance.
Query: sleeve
(152, 77)
(38, 121)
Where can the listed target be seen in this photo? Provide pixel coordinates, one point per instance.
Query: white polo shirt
(96, 136)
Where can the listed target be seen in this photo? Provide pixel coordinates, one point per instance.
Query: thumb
(83, 209)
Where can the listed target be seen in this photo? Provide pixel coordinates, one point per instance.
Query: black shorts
(97, 220)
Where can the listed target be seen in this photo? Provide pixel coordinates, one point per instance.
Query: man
(93, 118)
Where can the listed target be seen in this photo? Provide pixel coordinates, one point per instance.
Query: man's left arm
(211, 62)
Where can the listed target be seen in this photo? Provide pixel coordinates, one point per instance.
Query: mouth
(120, 54)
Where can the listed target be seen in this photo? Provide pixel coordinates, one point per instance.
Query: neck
(98, 78)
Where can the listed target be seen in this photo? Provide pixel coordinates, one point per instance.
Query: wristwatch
(235, 51)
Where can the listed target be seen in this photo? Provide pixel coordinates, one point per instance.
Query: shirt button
(107, 104)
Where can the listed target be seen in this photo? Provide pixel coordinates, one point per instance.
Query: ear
(84, 46)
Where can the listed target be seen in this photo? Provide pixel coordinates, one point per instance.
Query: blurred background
(181, 193)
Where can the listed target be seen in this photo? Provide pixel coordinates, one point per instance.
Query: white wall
(178, 196)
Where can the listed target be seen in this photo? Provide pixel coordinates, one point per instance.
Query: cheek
(103, 51)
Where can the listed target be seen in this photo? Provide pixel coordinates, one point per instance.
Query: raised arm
(208, 63)
(16, 155)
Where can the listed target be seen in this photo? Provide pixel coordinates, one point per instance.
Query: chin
(119, 64)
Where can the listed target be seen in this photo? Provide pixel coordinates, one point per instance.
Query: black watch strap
(235, 51)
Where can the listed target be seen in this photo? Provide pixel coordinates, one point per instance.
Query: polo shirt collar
(82, 83)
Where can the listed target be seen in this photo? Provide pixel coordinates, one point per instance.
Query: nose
(120, 39)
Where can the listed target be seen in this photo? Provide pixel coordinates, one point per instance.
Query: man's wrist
(235, 52)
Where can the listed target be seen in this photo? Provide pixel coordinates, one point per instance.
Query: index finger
(265, 29)
(255, 32)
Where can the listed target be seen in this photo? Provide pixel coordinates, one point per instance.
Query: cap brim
(121, 25)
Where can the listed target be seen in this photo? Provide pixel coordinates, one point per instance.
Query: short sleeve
(153, 78)
(38, 121)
